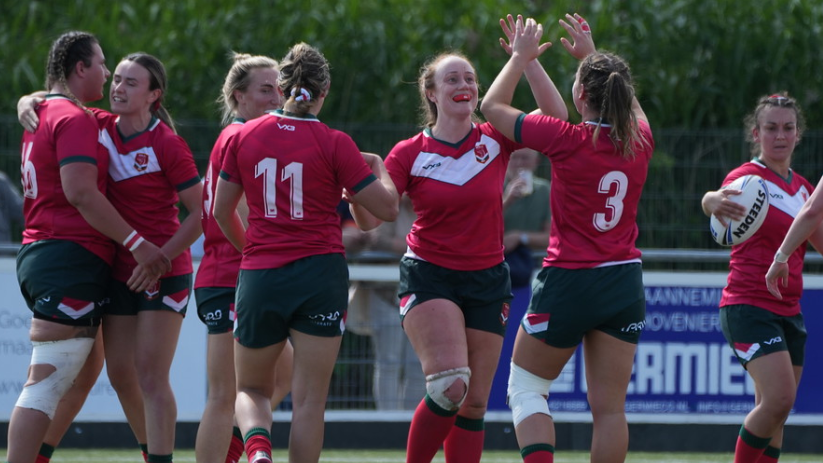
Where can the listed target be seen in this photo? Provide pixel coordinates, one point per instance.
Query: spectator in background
(11, 209)
(526, 215)
(526, 220)
(374, 311)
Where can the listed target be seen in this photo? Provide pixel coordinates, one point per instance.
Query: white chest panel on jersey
(457, 171)
(123, 166)
(790, 204)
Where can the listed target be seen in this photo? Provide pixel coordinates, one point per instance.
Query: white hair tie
(305, 95)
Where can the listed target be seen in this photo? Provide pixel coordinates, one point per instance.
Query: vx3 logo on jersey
(432, 166)
(216, 315)
(326, 317)
(288, 127)
(773, 340)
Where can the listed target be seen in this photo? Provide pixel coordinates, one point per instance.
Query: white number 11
(294, 171)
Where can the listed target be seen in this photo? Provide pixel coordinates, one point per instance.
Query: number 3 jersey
(457, 193)
(293, 171)
(66, 134)
(595, 191)
(146, 170)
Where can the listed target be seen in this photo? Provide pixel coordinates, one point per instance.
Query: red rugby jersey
(293, 171)
(751, 259)
(457, 194)
(221, 261)
(66, 134)
(146, 170)
(595, 192)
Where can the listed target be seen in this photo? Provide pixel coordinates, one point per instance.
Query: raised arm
(546, 95)
(525, 44)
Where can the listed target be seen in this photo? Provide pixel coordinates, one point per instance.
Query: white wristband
(137, 242)
(780, 257)
(129, 238)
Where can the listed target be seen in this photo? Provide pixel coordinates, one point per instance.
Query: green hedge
(697, 64)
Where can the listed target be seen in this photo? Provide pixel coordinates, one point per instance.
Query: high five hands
(582, 43)
(523, 37)
(529, 33)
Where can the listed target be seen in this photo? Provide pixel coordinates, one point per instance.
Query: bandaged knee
(528, 394)
(438, 383)
(67, 357)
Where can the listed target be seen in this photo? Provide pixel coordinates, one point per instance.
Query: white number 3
(614, 203)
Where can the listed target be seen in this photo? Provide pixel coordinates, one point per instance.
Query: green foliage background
(697, 64)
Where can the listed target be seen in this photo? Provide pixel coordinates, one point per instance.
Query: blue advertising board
(683, 363)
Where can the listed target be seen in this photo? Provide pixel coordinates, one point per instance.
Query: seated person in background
(374, 311)
(526, 215)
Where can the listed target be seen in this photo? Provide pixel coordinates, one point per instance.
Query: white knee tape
(437, 384)
(67, 357)
(528, 394)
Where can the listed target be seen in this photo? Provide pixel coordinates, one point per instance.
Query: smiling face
(260, 96)
(776, 132)
(130, 92)
(455, 90)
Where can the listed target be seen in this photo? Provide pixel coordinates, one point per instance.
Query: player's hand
(515, 189)
(346, 196)
(152, 260)
(582, 44)
(723, 207)
(508, 26)
(778, 273)
(26, 113)
(526, 39)
(140, 280)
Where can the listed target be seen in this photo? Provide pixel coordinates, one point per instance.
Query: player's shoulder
(748, 168)
(412, 145)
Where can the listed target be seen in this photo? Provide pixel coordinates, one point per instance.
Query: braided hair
(69, 49)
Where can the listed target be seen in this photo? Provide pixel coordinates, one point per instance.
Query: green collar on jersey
(152, 122)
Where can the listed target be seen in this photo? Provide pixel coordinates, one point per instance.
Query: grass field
(397, 456)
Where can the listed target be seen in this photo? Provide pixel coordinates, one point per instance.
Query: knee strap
(67, 356)
(437, 384)
(528, 394)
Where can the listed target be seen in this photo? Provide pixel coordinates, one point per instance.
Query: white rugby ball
(755, 197)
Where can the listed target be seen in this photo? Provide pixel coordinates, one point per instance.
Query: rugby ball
(755, 197)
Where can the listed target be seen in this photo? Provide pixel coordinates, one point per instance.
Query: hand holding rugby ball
(754, 197)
